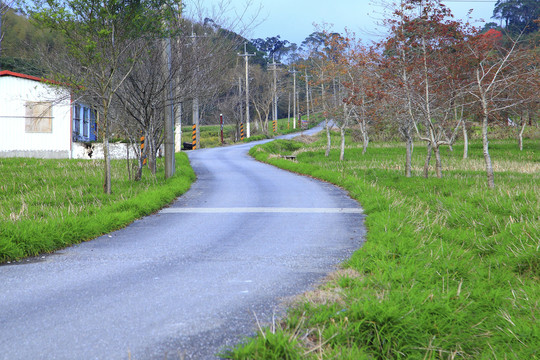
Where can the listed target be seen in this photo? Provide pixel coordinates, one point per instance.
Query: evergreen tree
(518, 15)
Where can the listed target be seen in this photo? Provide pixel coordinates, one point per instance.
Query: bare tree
(141, 96)
(498, 72)
(422, 44)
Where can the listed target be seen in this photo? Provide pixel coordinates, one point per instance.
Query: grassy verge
(449, 269)
(46, 205)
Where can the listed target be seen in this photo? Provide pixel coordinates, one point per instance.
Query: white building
(39, 119)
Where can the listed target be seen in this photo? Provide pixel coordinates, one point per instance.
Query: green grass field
(449, 269)
(46, 205)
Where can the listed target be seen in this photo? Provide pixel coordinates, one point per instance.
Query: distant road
(189, 280)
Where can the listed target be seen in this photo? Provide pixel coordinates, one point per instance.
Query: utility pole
(178, 126)
(246, 57)
(195, 103)
(178, 108)
(307, 93)
(294, 97)
(240, 106)
(273, 67)
(169, 113)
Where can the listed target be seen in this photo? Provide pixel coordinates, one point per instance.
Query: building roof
(24, 76)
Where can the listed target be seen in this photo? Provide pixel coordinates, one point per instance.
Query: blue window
(76, 121)
(84, 123)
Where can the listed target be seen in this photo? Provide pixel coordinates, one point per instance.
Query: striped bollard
(242, 131)
(142, 151)
(194, 137)
(274, 125)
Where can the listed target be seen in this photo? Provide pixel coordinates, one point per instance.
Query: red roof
(24, 76)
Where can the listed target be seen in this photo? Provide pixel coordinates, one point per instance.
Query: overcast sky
(293, 19)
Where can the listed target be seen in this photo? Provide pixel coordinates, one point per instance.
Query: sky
(294, 20)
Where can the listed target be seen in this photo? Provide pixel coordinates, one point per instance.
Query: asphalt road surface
(188, 281)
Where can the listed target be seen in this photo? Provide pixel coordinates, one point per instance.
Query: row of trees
(428, 80)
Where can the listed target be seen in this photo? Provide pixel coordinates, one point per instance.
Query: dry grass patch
(327, 292)
(306, 139)
(522, 167)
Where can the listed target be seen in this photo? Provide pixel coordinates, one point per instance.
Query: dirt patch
(327, 292)
(306, 139)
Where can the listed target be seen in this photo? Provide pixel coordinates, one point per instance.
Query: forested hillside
(23, 44)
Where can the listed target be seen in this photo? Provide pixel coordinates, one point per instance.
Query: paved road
(189, 280)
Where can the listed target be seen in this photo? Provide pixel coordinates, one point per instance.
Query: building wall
(15, 138)
(95, 151)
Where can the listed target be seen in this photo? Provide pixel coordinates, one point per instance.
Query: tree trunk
(151, 153)
(107, 187)
(408, 158)
(138, 174)
(520, 135)
(328, 139)
(438, 164)
(266, 116)
(365, 136)
(257, 127)
(127, 160)
(259, 117)
(487, 158)
(366, 142)
(428, 160)
(523, 124)
(485, 142)
(342, 152)
(465, 141)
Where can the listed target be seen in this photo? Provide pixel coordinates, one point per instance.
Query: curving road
(189, 280)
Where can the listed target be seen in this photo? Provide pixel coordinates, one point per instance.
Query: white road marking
(261, 210)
